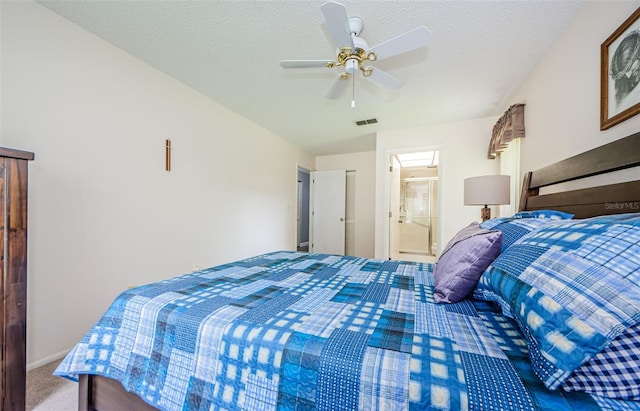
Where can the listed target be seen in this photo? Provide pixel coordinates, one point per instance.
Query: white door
(394, 209)
(328, 190)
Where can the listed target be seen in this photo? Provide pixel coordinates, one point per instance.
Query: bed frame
(587, 202)
(104, 394)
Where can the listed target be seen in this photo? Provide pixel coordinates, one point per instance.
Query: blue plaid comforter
(304, 331)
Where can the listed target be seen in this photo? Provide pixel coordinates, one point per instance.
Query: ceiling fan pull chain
(353, 92)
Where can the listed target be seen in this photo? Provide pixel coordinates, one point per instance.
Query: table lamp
(486, 190)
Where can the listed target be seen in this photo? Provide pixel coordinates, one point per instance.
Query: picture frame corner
(626, 69)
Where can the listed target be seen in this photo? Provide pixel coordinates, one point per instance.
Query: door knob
(341, 219)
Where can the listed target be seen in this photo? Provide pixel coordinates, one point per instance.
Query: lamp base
(486, 213)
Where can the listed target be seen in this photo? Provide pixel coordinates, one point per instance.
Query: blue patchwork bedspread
(301, 331)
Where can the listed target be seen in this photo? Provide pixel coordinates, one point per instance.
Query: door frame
(394, 179)
(386, 254)
(305, 169)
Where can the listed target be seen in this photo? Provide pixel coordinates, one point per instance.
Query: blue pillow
(614, 372)
(515, 228)
(462, 262)
(573, 287)
(550, 214)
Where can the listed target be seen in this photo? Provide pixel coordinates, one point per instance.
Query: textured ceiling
(480, 52)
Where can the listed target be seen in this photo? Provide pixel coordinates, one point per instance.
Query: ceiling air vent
(365, 122)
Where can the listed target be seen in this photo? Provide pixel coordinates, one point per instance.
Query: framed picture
(620, 73)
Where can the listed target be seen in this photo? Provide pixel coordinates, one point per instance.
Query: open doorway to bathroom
(413, 204)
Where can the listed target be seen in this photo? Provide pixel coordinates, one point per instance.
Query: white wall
(562, 94)
(463, 153)
(364, 164)
(103, 212)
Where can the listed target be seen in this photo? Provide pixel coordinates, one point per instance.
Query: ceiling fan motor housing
(359, 43)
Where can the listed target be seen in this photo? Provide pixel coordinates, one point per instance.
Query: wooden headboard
(587, 202)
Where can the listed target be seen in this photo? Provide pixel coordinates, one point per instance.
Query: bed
(290, 330)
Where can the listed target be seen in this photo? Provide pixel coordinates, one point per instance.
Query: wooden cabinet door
(13, 281)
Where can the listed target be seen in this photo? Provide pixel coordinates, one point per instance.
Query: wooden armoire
(13, 278)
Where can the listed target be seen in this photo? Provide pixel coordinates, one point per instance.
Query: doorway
(302, 241)
(413, 205)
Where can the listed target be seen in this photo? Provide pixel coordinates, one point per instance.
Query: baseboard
(47, 360)
(306, 243)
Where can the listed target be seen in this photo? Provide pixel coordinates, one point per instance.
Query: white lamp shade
(487, 190)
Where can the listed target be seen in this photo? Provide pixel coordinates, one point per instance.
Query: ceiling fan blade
(411, 40)
(304, 63)
(383, 79)
(337, 87)
(336, 17)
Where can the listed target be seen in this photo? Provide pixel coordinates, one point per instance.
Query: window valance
(508, 127)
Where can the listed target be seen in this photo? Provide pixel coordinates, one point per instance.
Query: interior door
(394, 209)
(328, 191)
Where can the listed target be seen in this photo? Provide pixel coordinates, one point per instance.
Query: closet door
(13, 276)
(328, 198)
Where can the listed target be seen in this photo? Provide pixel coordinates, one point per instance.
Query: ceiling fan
(353, 52)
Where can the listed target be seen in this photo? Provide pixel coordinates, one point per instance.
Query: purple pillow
(463, 260)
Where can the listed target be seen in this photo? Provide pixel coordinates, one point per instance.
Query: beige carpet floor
(46, 392)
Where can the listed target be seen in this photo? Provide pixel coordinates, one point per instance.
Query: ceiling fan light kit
(353, 52)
